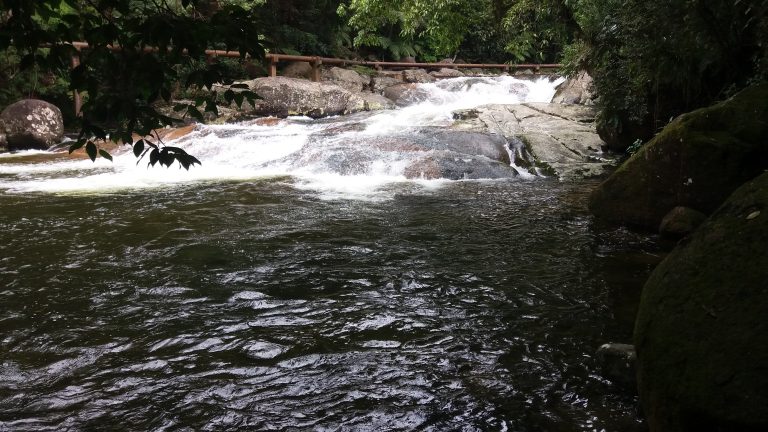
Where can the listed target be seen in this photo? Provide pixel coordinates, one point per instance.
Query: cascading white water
(342, 156)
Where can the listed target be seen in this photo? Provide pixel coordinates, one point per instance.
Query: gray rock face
(447, 73)
(681, 221)
(346, 78)
(380, 83)
(405, 94)
(376, 102)
(32, 124)
(575, 90)
(552, 139)
(418, 76)
(287, 96)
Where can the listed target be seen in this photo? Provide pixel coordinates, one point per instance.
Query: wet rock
(492, 146)
(701, 331)
(298, 70)
(465, 114)
(575, 90)
(287, 96)
(346, 78)
(697, 161)
(457, 166)
(681, 221)
(447, 73)
(32, 124)
(617, 362)
(551, 139)
(418, 76)
(381, 83)
(405, 94)
(376, 102)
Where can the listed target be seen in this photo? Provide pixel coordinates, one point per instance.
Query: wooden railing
(317, 62)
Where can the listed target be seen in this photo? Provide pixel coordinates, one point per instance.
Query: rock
(681, 221)
(418, 76)
(346, 78)
(697, 161)
(376, 102)
(297, 70)
(701, 328)
(458, 166)
(575, 90)
(381, 83)
(618, 363)
(447, 73)
(620, 134)
(288, 96)
(551, 139)
(3, 141)
(405, 94)
(32, 124)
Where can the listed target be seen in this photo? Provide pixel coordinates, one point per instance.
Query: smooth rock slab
(552, 139)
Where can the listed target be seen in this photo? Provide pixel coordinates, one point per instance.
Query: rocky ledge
(551, 139)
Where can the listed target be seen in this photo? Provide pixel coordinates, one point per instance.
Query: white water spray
(353, 156)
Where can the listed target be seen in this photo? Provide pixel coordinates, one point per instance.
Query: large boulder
(381, 83)
(697, 161)
(405, 94)
(376, 102)
(297, 70)
(346, 78)
(418, 76)
(32, 124)
(282, 96)
(575, 90)
(550, 139)
(701, 333)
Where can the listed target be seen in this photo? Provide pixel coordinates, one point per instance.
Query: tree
(138, 51)
(652, 61)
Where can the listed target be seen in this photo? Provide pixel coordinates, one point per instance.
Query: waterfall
(341, 156)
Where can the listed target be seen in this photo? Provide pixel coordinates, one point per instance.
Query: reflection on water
(258, 306)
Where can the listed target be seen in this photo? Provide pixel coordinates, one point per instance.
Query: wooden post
(316, 76)
(76, 94)
(272, 66)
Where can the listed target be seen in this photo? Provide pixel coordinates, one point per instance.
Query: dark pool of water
(253, 306)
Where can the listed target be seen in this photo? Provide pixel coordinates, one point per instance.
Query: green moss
(696, 161)
(701, 329)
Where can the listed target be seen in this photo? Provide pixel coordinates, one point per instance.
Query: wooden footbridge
(317, 62)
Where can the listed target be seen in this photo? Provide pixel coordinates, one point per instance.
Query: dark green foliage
(306, 27)
(652, 61)
(160, 44)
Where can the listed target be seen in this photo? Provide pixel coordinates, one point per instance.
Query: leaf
(76, 145)
(105, 154)
(154, 156)
(91, 149)
(138, 148)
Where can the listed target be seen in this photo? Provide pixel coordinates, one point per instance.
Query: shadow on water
(256, 306)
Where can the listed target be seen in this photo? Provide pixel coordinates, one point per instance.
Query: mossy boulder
(697, 161)
(701, 332)
(680, 222)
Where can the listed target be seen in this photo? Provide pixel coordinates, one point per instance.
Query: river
(297, 280)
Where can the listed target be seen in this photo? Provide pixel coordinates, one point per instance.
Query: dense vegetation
(651, 61)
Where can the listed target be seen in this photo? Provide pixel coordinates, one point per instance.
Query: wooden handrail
(316, 62)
